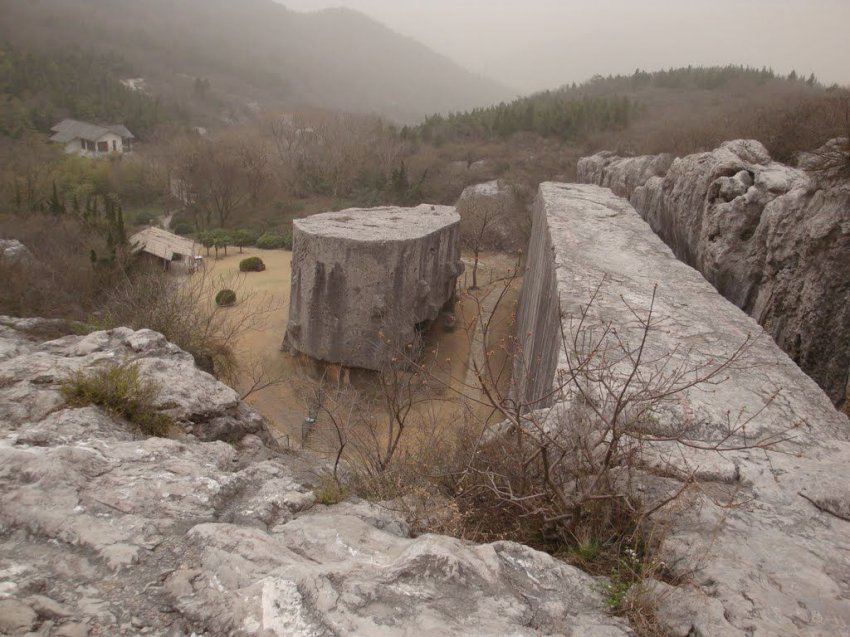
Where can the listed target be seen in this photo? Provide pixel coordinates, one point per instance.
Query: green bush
(271, 241)
(183, 228)
(242, 238)
(252, 264)
(225, 298)
(119, 390)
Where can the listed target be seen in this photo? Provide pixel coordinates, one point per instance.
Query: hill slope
(677, 110)
(257, 51)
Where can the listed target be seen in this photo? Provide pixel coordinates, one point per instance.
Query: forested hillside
(39, 89)
(255, 55)
(665, 110)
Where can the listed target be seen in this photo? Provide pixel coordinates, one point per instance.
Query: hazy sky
(532, 44)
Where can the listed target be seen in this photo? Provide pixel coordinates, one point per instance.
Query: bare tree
(215, 179)
(574, 467)
(333, 153)
(256, 166)
(183, 310)
(492, 217)
(474, 226)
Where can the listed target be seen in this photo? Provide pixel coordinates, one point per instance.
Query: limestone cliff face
(777, 564)
(106, 532)
(537, 318)
(770, 238)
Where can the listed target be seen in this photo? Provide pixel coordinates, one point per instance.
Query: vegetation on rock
(120, 390)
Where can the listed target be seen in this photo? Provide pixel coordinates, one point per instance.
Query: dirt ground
(447, 350)
(261, 344)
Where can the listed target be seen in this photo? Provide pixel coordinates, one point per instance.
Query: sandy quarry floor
(283, 403)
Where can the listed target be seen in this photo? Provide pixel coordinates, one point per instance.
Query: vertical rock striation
(364, 280)
(772, 239)
(537, 318)
(776, 564)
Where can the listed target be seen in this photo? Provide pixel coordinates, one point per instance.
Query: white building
(92, 140)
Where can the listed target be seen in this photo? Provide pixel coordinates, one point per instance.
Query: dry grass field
(447, 350)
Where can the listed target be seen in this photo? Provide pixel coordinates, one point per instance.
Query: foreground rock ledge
(364, 280)
(777, 564)
(103, 532)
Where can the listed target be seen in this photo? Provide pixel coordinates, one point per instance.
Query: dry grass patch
(121, 391)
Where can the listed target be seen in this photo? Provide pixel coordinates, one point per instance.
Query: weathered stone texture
(13, 250)
(772, 239)
(362, 277)
(777, 564)
(105, 532)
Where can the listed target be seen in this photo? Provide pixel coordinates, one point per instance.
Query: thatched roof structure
(163, 244)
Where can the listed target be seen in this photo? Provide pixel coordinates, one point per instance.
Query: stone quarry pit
(365, 281)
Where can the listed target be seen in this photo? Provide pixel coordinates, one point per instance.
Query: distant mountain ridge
(259, 52)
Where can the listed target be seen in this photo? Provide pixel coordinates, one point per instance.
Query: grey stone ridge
(777, 561)
(104, 532)
(773, 239)
(364, 281)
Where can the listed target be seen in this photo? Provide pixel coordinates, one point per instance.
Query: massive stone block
(773, 239)
(364, 280)
(777, 563)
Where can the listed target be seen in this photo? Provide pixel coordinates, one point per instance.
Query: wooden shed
(167, 248)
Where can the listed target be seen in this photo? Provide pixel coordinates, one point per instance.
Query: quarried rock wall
(537, 318)
(775, 563)
(772, 239)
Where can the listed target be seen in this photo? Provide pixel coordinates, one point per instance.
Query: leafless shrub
(597, 476)
(494, 220)
(58, 278)
(832, 160)
(183, 310)
(320, 152)
(787, 125)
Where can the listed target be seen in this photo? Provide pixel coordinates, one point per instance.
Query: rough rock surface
(104, 532)
(365, 277)
(12, 249)
(777, 563)
(772, 239)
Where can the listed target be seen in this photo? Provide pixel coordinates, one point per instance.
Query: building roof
(162, 244)
(69, 129)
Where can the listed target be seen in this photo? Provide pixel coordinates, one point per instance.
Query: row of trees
(549, 114)
(220, 239)
(705, 77)
(600, 104)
